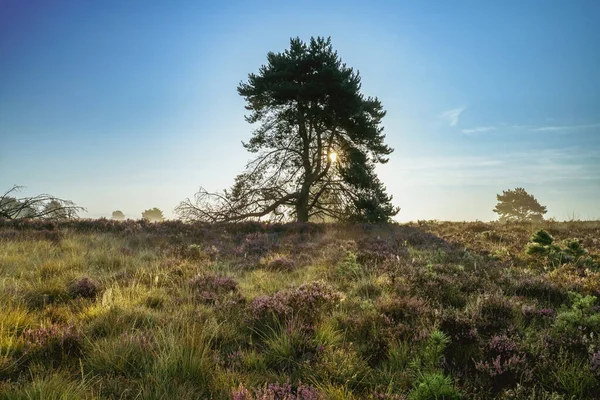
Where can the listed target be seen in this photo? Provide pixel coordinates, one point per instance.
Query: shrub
(403, 309)
(53, 343)
(571, 277)
(375, 250)
(277, 391)
(491, 236)
(214, 283)
(215, 289)
(580, 318)
(349, 267)
(258, 244)
(495, 312)
(280, 264)
(541, 246)
(370, 332)
(434, 386)
(84, 288)
(460, 328)
(595, 363)
(505, 363)
(532, 314)
(306, 302)
(541, 237)
(541, 289)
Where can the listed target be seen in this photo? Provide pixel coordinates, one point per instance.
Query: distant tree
(518, 205)
(316, 145)
(153, 215)
(118, 215)
(54, 210)
(41, 206)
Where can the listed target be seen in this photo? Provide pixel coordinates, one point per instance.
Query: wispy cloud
(452, 116)
(565, 166)
(479, 129)
(565, 127)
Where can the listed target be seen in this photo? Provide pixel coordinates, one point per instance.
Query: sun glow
(333, 156)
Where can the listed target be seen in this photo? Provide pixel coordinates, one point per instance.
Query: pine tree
(518, 205)
(316, 147)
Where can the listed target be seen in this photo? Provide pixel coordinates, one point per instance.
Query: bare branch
(43, 206)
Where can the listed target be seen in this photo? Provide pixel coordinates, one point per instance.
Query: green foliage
(286, 346)
(518, 205)
(343, 366)
(430, 382)
(574, 378)
(349, 267)
(542, 237)
(431, 357)
(129, 355)
(434, 386)
(44, 293)
(541, 246)
(183, 355)
(581, 314)
(57, 386)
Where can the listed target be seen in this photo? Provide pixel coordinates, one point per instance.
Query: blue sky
(132, 104)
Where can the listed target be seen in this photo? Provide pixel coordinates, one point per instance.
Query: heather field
(430, 310)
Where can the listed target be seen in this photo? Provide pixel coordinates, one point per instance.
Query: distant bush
(153, 215)
(118, 215)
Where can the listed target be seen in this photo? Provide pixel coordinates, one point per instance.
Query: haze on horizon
(133, 105)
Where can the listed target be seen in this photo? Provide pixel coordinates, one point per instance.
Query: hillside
(104, 309)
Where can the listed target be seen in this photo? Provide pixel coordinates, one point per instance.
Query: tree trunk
(302, 207)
